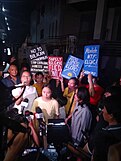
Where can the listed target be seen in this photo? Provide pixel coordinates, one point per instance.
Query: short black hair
(47, 85)
(25, 71)
(113, 106)
(83, 94)
(75, 80)
(39, 73)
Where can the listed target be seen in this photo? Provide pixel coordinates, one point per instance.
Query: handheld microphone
(39, 114)
(16, 86)
(24, 104)
(29, 115)
(25, 83)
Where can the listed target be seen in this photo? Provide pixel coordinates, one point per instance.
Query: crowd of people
(92, 113)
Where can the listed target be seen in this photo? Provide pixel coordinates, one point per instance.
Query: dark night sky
(19, 15)
(18, 18)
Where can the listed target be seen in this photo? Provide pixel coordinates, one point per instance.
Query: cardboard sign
(38, 59)
(55, 64)
(91, 56)
(72, 67)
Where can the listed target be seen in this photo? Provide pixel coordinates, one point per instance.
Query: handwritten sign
(38, 59)
(91, 56)
(72, 67)
(55, 66)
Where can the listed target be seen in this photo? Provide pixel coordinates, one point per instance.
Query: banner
(72, 67)
(55, 64)
(91, 56)
(38, 59)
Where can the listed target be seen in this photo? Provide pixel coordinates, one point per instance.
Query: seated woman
(81, 116)
(49, 105)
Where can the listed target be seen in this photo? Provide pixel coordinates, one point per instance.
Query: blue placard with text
(72, 67)
(91, 57)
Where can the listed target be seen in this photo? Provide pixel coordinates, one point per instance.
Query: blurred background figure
(112, 133)
(57, 94)
(114, 152)
(69, 92)
(25, 64)
(39, 82)
(13, 78)
(1, 71)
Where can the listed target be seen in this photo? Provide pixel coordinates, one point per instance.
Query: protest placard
(38, 59)
(55, 64)
(91, 56)
(72, 67)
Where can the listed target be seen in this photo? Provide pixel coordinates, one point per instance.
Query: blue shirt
(9, 82)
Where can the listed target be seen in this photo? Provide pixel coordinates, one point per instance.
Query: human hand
(66, 120)
(61, 79)
(89, 78)
(82, 74)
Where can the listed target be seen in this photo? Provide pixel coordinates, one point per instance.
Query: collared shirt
(81, 120)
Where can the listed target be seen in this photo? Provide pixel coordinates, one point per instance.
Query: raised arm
(91, 85)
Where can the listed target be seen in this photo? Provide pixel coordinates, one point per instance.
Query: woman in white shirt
(29, 92)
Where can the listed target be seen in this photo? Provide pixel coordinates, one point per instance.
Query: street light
(8, 28)
(6, 18)
(3, 9)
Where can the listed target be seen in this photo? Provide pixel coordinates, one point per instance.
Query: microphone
(29, 115)
(16, 86)
(24, 104)
(39, 115)
(25, 83)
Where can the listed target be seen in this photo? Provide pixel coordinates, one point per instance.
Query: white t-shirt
(30, 93)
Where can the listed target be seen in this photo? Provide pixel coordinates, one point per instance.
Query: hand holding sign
(55, 66)
(91, 56)
(72, 67)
